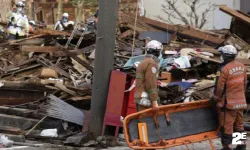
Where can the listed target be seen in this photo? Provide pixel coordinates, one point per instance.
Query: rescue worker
(64, 23)
(229, 96)
(18, 25)
(146, 94)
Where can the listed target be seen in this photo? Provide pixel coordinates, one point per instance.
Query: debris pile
(45, 85)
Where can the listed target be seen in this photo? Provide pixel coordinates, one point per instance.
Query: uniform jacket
(62, 25)
(146, 80)
(19, 23)
(231, 85)
(59, 26)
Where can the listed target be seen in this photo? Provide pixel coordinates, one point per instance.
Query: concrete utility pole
(104, 61)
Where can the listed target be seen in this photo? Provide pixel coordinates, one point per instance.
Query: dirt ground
(196, 146)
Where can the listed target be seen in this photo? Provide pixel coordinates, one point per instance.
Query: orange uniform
(231, 85)
(230, 93)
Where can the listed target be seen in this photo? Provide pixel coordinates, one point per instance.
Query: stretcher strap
(186, 145)
(211, 143)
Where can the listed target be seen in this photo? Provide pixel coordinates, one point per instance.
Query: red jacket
(231, 85)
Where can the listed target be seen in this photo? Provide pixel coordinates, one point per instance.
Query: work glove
(155, 104)
(144, 100)
(212, 101)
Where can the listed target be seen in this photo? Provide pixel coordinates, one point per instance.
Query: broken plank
(235, 13)
(81, 98)
(19, 112)
(13, 67)
(48, 63)
(28, 38)
(76, 58)
(15, 121)
(210, 50)
(22, 70)
(204, 57)
(10, 130)
(51, 32)
(40, 49)
(16, 138)
(36, 41)
(126, 34)
(184, 31)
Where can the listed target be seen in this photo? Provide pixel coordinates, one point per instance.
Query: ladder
(73, 33)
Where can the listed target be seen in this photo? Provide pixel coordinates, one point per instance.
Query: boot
(241, 147)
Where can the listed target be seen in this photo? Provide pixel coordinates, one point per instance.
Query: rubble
(47, 86)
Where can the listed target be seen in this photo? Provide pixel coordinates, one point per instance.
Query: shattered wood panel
(235, 13)
(241, 29)
(238, 43)
(40, 49)
(76, 58)
(184, 31)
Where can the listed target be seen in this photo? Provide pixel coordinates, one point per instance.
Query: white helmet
(228, 53)
(154, 47)
(66, 15)
(228, 50)
(19, 4)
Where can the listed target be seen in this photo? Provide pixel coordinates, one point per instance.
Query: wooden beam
(235, 13)
(184, 31)
(205, 58)
(40, 49)
(76, 58)
(51, 32)
(36, 41)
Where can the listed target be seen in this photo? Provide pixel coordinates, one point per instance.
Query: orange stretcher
(171, 125)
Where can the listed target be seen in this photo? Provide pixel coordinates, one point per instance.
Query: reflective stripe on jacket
(146, 80)
(231, 85)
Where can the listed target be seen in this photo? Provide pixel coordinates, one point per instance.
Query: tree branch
(173, 7)
(204, 15)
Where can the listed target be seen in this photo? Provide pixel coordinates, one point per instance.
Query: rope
(211, 143)
(136, 17)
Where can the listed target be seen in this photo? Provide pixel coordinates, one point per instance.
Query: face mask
(19, 9)
(65, 19)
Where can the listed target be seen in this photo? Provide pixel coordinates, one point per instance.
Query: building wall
(216, 19)
(245, 6)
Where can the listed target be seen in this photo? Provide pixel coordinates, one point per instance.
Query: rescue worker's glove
(144, 100)
(155, 104)
(212, 101)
